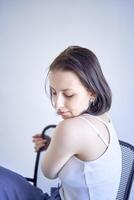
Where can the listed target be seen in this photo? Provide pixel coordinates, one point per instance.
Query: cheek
(78, 103)
(70, 103)
(83, 103)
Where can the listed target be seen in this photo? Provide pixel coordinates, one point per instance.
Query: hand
(40, 142)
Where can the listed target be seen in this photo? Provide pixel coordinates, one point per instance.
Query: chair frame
(34, 179)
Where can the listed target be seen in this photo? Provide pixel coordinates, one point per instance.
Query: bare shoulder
(71, 124)
(68, 129)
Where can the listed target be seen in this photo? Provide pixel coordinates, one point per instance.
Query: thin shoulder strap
(101, 120)
(96, 130)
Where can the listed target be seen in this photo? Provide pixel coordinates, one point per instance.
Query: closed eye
(68, 96)
(53, 93)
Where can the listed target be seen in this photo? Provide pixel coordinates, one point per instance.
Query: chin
(70, 115)
(63, 117)
(66, 117)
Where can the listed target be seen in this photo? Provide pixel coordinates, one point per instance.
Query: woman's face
(70, 98)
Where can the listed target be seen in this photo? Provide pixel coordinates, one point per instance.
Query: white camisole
(93, 180)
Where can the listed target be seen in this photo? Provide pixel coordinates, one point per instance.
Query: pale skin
(72, 136)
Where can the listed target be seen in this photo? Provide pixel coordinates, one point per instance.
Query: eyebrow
(63, 89)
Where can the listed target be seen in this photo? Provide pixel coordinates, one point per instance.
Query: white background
(32, 33)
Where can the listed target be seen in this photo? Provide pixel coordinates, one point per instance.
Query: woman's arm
(62, 147)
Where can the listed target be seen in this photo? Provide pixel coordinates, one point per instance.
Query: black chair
(127, 171)
(35, 175)
(127, 167)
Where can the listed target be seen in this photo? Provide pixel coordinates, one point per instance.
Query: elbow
(48, 173)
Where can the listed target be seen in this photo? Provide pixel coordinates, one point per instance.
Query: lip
(62, 113)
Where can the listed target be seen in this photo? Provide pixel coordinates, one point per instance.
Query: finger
(35, 140)
(38, 135)
(37, 148)
(38, 142)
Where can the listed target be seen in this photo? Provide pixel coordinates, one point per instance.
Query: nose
(59, 102)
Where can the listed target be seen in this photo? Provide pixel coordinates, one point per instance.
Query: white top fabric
(93, 180)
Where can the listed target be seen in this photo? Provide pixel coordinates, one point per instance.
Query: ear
(92, 96)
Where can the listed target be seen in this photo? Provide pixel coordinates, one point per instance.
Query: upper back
(90, 145)
(94, 173)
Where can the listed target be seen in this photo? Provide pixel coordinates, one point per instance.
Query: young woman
(84, 151)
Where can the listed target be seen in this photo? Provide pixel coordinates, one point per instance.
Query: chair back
(127, 170)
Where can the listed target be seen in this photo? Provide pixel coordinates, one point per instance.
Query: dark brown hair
(85, 65)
